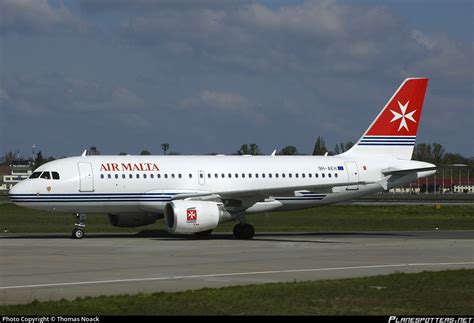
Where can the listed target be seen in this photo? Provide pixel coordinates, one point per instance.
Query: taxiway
(53, 266)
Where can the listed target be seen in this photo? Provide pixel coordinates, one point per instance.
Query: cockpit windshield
(35, 175)
(45, 175)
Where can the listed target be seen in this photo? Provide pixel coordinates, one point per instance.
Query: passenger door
(86, 179)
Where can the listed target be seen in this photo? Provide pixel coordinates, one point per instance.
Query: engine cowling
(132, 220)
(194, 216)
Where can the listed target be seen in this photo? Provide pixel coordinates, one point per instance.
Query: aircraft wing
(262, 193)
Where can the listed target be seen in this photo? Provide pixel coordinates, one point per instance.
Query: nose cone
(18, 192)
(13, 194)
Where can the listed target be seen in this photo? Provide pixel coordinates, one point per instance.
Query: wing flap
(263, 193)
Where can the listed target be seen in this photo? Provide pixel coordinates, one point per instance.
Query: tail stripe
(387, 141)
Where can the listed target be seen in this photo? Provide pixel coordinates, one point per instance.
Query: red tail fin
(393, 132)
(401, 115)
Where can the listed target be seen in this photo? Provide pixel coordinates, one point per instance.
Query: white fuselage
(134, 184)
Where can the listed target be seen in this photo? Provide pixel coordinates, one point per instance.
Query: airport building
(18, 171)
(433, 185)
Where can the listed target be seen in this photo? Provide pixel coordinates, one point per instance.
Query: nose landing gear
(80, 225)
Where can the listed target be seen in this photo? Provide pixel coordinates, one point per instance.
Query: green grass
(322, 219)
(448, 292)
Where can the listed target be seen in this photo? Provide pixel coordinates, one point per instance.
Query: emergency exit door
(352, 175)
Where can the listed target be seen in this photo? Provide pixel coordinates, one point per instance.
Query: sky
(208, 76)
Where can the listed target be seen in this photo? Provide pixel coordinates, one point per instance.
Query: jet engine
(131, 220)
(194, 216)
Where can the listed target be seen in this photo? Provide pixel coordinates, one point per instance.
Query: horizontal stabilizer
(391, 171)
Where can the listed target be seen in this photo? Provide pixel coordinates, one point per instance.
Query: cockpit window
(46, 175)
(55, 175)
(35, 175)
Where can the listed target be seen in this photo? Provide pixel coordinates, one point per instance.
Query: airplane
(194, 194)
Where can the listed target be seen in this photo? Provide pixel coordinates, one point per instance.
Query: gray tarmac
(54, 266)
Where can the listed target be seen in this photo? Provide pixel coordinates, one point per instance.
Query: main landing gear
(242, 230)
(78, 231)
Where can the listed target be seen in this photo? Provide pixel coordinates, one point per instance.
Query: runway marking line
(129, 280)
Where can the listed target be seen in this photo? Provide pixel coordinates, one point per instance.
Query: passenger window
(144, 175)
(263, 175)
(158, 175)
(152, 176)
(303, 175)
(116, 176)
(283, 175)
(322, 175)
(46, 175)
(190, 175)
(316, 175)
(222, 175)
(276, 175)
(35, 175)
(208, 175)
(250, 175)
(230, 175)
(329, 175)
(236, 175)
(109, 176)
(243, 175)
(289, 175)
(201, 175)
(55, 175)
(130, 176)
(138, 176)
(296, 175)
(256, 175)
(310, 175)
(172, 175)
(123, 176)
(179, 175)
(270, 175)
(215, 175)
(101, 176)
(166, 175)
(335, 175)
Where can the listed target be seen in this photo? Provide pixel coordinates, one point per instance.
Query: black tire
(244, 231)
(247, 232)
(237, 229)
(206, 233)
(77, 234)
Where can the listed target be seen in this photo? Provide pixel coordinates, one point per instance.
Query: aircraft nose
(15, 192)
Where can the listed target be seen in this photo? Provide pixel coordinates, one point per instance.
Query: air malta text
(129, 167)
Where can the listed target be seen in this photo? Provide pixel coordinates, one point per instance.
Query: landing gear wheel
(206, 233)
(77, 233)
(244, 231)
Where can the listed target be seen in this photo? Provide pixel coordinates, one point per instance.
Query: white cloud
(223, 102)
(3, 95)
(50, 93)
(95, 6)
(319, 39)
(37, 16)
